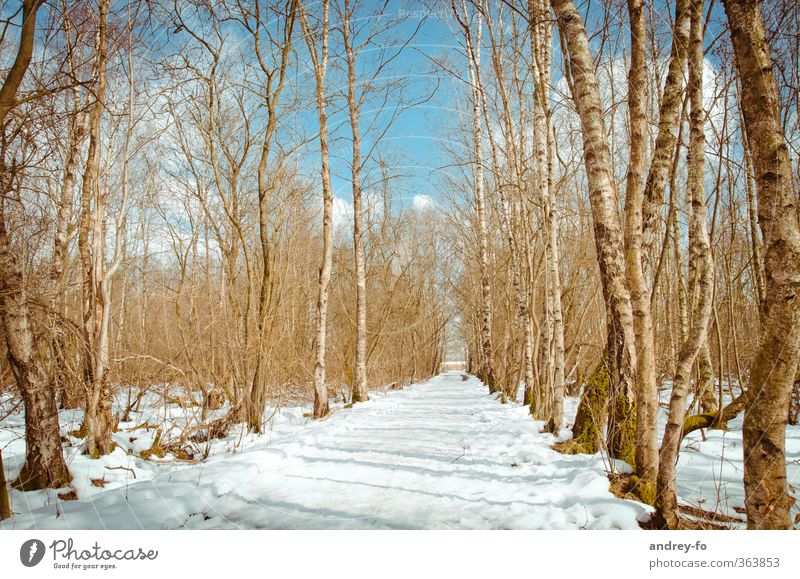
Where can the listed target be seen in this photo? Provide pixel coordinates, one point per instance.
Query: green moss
(644, 490)
(705, 420)
(155, 449)
(591, 416)
(622, 431)
(528, 397)
(80, 432)
(96, 453)
(572, 447)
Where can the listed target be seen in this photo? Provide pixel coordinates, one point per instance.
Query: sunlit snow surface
(439, 454)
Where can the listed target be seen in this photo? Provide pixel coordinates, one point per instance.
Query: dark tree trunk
(28, 358)
(5, 504)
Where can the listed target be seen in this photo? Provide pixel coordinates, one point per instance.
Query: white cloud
(342, 218)
(423, 203)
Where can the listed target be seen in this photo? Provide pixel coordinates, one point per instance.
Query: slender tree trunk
(359, 393)
(512, 195)
(701, 272)
(662, 163)
(487, 373)
(320, 61)
(647, 388)
(608, 233)
(258, 389)
(8, 92)
(705, 382)
(773, 371)
(66, 388)
(642, 206)
(756, 248)
(97, 421)
(540, 34)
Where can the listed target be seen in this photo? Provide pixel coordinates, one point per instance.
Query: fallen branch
(130, 470)
(715, 419)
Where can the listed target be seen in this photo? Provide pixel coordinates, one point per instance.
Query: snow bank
(436, 455)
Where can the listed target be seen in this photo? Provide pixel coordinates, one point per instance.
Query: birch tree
(27, 350)
(775, 365)
(608, 232)
(701, 272)
(647, 387)
(319, 61)
(473, 48)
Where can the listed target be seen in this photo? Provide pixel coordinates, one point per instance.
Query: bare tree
(473, 48)
(98, 421)
(701, 278)
(274, 71)
(27, 350)
(319, 60)
(359, 390)
(608, 232)
(774, 368)
(647, 387)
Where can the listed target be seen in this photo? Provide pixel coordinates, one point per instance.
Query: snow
(440, 454)
(711, 463)
(436, 455)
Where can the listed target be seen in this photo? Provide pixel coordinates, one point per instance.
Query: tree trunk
(319, 59)
(359, 393)
(590, 419)
(5, 503)
(27, 352)
(766, 495)
(705, 383)
(258, 389)
(608, 234)
(647, 388)
(97, 421)
(756, 248)
(28, 357)
(662, 163)
(66, 388)
(8, 92)
(487, 373)
(541, 33)
(701, 272)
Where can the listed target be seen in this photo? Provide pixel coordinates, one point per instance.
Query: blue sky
(412, 147)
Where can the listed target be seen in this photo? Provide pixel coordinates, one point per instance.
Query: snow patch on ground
(711, 464)
(440, 454)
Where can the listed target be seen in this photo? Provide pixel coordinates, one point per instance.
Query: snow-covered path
(439, 454)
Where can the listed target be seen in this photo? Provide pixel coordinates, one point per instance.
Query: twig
(130, 470)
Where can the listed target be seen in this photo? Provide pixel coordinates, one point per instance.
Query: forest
(440, 244)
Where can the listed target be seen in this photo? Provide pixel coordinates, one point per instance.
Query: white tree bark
(608, 232)
(319, 57)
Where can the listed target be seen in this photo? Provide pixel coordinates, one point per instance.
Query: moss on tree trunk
(622, 438)
(590, 420)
